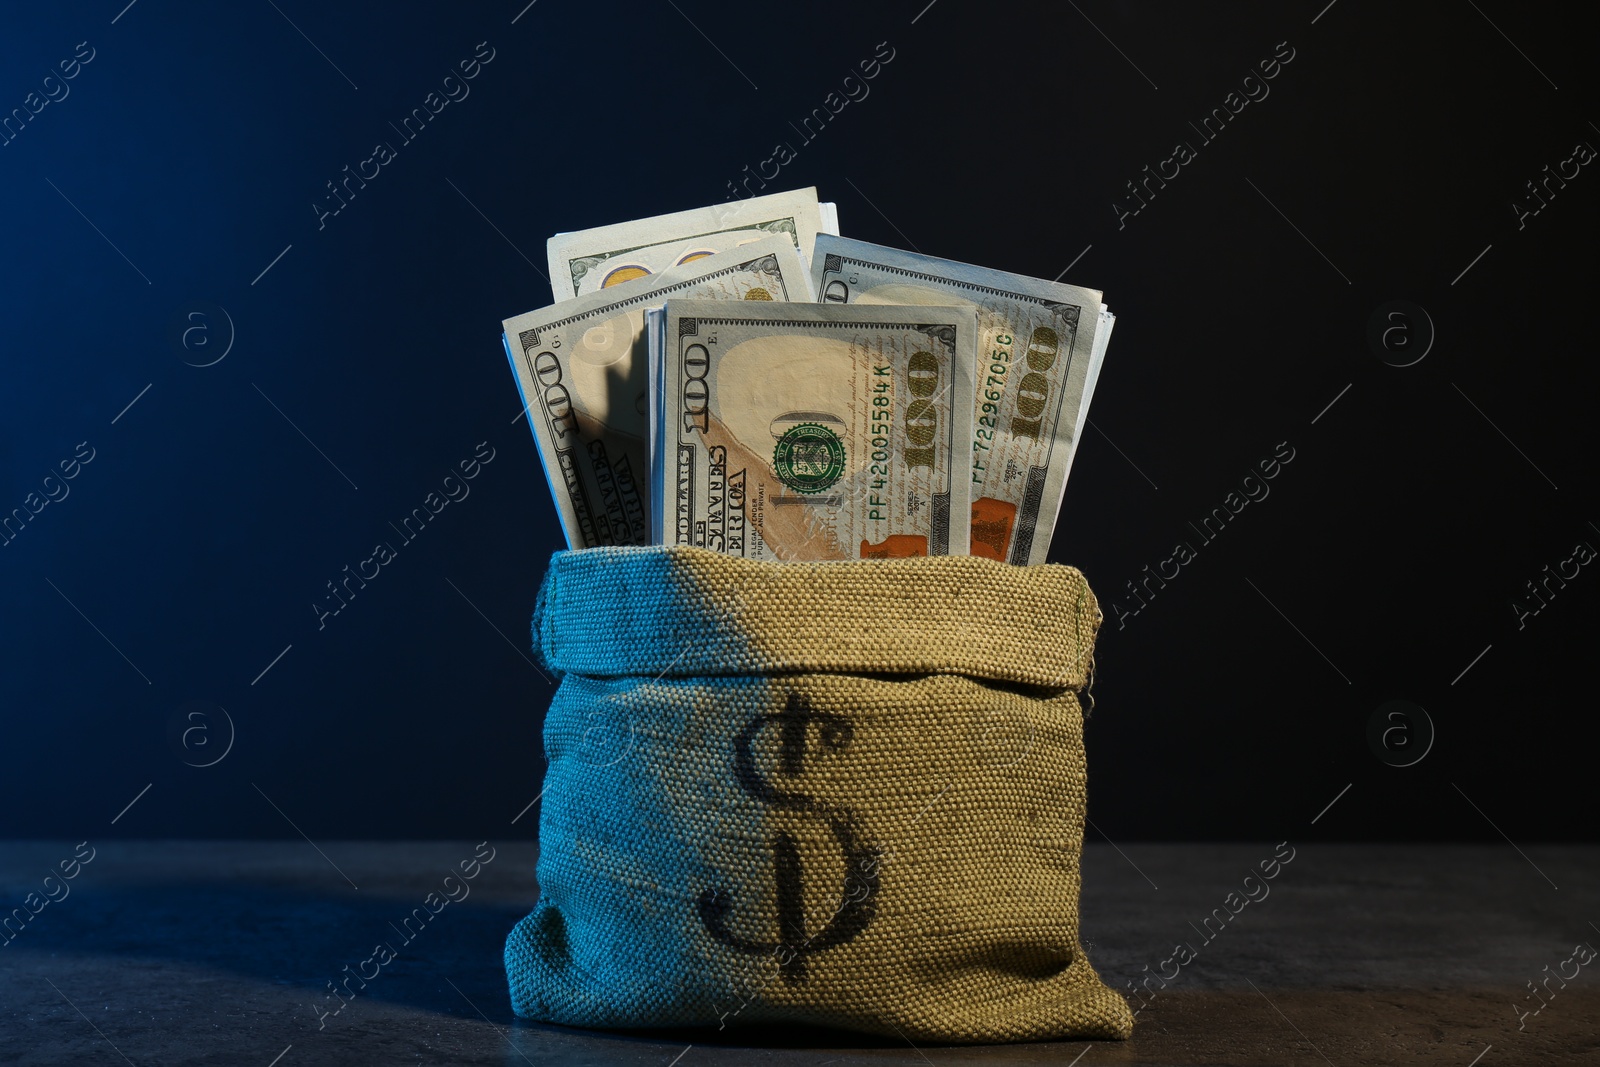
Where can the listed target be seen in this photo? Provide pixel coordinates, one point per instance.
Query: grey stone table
(220, 953)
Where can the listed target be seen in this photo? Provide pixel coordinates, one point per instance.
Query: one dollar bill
(583, 373)
(587, 261)
(796, 432)
(1039, 348)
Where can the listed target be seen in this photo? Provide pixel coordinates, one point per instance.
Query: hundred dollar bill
(582, 370)
(791, 431)
(587, 261)
(1038, 344)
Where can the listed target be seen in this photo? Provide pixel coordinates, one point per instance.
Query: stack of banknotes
(742, 378)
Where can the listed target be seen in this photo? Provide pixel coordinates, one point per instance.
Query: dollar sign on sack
(861, 857)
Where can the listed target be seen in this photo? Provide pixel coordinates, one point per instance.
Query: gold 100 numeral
(1033, 391)
(922, 418)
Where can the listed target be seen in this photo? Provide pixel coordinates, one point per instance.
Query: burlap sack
(840, 793)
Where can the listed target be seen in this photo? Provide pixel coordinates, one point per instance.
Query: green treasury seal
(809, 458)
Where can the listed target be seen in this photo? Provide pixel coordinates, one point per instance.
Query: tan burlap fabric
(842, 793)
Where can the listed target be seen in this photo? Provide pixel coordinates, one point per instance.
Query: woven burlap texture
(844, 793)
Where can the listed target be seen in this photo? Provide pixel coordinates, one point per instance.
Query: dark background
(1385, 559)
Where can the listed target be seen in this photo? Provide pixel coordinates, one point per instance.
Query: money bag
(841, 793)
